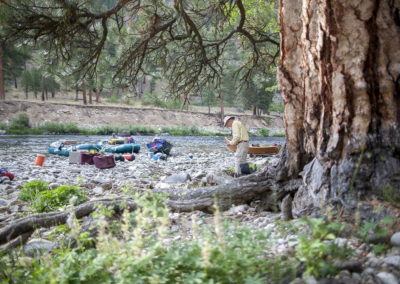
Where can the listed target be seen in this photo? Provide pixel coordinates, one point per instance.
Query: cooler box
(86, 158)
(104, 161)
(74, 157)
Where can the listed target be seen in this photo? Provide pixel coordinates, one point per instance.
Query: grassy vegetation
(20, 125)
(262, 132)
(43, 199)
(279, 134)
(278, 107)
(141, 248)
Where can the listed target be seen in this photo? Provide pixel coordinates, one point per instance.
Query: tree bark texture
(90, 96)
(97, 95)
(84, 95)
(340, 81)
(2, 89)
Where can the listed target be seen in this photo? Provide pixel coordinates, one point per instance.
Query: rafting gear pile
(59, 148)
(159, 146)
(5, 174)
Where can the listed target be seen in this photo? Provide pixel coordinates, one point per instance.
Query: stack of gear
(159, 146)
(5, 174)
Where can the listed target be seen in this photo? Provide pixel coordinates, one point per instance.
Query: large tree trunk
(340, 77)
(90, 96)
(221, 101)
(84, 95)
(97, 95)
(43, 89)
(2, 89)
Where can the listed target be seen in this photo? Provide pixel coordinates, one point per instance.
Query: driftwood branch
(29, 224)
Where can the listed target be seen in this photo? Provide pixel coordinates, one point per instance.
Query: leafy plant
(145, 250)
(263, 132)
(316, 248)
(391, 195)
(278, 107)
(279, 134)
(50, 200)
(30, 190)
(372, 231)
(20, 122)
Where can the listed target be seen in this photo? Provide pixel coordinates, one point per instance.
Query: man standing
(240, 139)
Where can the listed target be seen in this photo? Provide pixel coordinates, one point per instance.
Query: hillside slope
(92, 116)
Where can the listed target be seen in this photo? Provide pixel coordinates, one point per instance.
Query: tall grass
(20, 127)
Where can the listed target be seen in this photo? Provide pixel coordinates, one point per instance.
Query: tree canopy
(187, 39)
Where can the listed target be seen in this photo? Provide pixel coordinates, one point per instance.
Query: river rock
(35, 246)
(393, 260)
(177, 178)
(237, 210)
(98, 190)
(54, 185)
(215, 179)
(395, 239)
(4, 202)
(162, 185)
(387, 278)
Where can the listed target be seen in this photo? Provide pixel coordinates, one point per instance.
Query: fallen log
(29, 224)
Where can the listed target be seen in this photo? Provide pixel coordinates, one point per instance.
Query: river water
(37, 144)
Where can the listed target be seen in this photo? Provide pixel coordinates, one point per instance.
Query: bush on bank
(21, 125)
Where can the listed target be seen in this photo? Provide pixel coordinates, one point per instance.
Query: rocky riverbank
(187, 168)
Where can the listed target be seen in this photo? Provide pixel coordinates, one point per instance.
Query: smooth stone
(350, 265)
(14, 208)
(162, 185)
(393, 260)
(387, 278)
(4, 202)
(98, 190)
(235, 210)
(54, 185)
(395, 239)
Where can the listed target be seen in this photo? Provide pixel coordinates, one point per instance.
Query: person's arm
(235, 134)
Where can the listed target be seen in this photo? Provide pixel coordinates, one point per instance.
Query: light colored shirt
(239, 132)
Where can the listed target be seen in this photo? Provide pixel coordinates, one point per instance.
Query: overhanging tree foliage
(186, 38)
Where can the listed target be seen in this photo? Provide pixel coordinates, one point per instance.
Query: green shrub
(278, 107)
(43, 199)
(60, 128)
(279, 134)
(142, 249)
(371, 231)
(20, 122)
(113, 99)
(155, 100)
(263, 132)
(173, 104)
(391, 195)
(50, 200)
(317, 249)
(30, 190)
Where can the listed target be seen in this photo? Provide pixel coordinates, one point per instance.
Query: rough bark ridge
(340, 75)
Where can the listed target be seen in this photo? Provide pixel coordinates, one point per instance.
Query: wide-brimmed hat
(227, 118)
